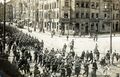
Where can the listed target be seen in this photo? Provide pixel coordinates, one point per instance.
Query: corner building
(71, 16)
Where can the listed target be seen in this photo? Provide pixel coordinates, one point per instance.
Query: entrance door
(86, 29)
(77, 27)
(62, 27)
(117, 26)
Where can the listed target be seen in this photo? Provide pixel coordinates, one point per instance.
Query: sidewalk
(71, 36)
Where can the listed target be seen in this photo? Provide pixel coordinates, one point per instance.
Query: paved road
(80, 45)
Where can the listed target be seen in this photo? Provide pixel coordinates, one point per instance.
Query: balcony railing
(64, 20)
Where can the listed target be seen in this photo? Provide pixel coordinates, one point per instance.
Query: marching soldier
(69, 70)
(83, 55)
(95, 67)
(91, 56)
(63, 71)
(36, 72)
(77, 69)
(86, 68)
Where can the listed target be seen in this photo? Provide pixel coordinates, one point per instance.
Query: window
(97, 27)
(87, 15)
(82, 15)
(50, 6)
(103, 26)
(87, 4)
(105, 15)
(77, 4)
(117, 6)
(106, 6)
(45, 24)
(57, 15)
(77, 15)
(97, 4)
(113, 26)
(92, 16)
(113, 16)
(92, 5)
(55, 5)
(117, 16)
(82, 25)
(92, 26)
(54, 24)
(65, 15)
(113, 6)
(97, 15)
(67, 4)
(42, 7)
(82, 4)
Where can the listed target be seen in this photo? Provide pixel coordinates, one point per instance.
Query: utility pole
(29, 15)
(70, 17)
(4, 25)
(111, 27)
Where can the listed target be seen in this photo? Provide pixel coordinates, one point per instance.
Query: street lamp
(49, 13)
(110, 22)
(111, 29)
(4, 25)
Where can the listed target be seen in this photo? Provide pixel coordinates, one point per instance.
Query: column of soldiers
(53, 61)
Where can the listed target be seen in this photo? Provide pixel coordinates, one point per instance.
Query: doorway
(116, 26)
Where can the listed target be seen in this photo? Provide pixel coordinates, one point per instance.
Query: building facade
(1, 12)
(9, 11)
(70, 16)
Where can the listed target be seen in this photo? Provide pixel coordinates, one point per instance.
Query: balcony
(65, 20)
(94, 19)
(66, 8)
(107, 10)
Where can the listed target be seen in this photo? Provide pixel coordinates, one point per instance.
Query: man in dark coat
(93, 74)
(69, 70)
(62, 72)
(108, 56)
(95, 67)
(40, 58)
(86, 68)
(87, 55)
(36, 56)
(97, 55)
(83, 55)
(91, 56)
(77, 69)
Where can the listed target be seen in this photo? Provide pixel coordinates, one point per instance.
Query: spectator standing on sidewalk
(67, 37)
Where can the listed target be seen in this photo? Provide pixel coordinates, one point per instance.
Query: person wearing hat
(36, 71)
(69, 70)
(86, 68)
(63, 71)
(77, 68)
(94, 65)
(91, 56)
(108, 56)
(93, 72)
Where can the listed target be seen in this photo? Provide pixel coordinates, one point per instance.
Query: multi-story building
(9, 11)
(80, 16)
(71, 16)
(1, 12)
